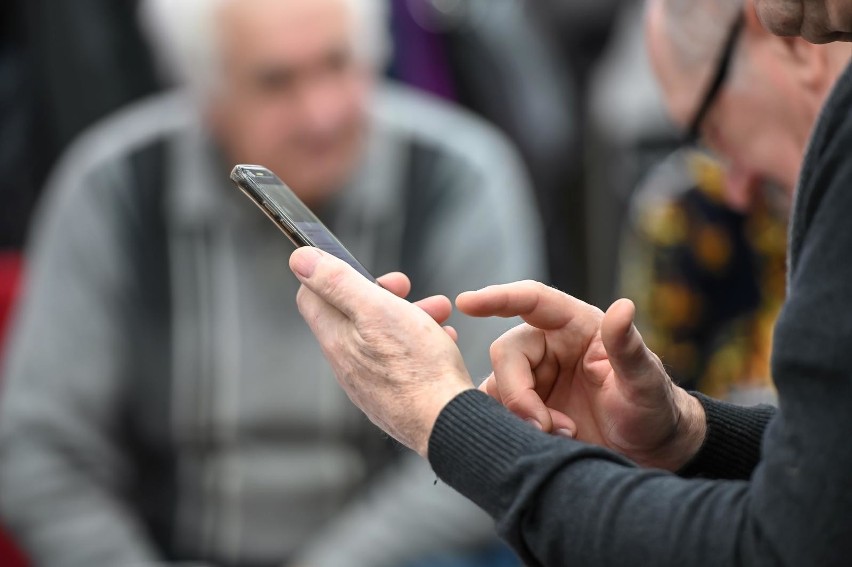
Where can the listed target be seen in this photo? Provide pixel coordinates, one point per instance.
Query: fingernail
(535, 423)
(304, 261)
(565, 433)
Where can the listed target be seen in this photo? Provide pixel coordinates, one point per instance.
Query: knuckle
(372, 345)
(497, 351)
(511, 342)
(513, 402)
(531, 286)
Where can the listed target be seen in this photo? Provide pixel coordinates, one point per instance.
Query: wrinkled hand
(392, 358)
(575, 371)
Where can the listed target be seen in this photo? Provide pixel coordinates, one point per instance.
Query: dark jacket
(561, 502)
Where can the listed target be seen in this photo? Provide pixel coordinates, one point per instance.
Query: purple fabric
(421, 58)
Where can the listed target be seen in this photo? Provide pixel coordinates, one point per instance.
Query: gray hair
(182, 34)
(698, 29)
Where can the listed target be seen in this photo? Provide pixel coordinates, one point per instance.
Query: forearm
(561, 502)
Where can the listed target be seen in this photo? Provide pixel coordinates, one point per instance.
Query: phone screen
(289, 213)
(281, 195)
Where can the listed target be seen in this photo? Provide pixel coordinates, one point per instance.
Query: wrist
(691, 430)
(437, 399)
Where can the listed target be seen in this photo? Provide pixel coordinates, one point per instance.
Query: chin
(316, 190)
(320, 176)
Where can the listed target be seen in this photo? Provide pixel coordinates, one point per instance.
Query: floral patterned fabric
(708, 281)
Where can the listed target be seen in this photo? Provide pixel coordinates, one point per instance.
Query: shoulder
(94, 178)
(443, 127)
(117, 138)
(826, 167)
(836, 117)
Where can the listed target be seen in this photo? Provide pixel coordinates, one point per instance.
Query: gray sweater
(163, 398)
(561, 502)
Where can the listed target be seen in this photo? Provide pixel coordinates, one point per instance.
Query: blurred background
(566, 82)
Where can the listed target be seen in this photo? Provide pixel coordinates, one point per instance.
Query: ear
(809, 63)
(752, 22)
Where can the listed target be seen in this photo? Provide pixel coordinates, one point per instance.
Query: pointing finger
(539, 305)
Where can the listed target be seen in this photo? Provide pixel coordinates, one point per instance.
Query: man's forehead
(269, 13)
(293, 25)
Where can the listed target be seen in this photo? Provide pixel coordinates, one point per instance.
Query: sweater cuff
(475, 444)
(731, 448)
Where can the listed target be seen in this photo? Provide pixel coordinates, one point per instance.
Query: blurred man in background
(770, 95)
(710, 281)
(164, 400)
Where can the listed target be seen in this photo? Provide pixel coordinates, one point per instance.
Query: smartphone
(290, 214)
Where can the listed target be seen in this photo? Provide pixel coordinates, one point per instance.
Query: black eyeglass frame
(723, 69)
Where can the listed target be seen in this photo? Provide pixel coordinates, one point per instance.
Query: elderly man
(770, 95)
(163, 399)
(755, 486)
(709, 282)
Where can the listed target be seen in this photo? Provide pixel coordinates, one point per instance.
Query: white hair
(182, 35)
(698, 28)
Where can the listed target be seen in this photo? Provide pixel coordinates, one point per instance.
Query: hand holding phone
(290, 214)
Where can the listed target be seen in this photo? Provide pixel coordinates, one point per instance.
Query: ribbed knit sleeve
(477, 444)
(731, 448)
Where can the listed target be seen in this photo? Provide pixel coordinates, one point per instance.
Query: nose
(321, 107)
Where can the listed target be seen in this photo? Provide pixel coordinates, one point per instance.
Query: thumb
(335, 281)
(635, 366)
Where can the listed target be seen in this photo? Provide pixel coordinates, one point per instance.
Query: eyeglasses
(693, 133)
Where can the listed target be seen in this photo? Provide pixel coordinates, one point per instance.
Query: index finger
(397, 283)
(514, 357)
(539, 305)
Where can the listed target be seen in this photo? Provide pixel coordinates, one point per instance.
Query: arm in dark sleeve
(731, 449)
(561, 502)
